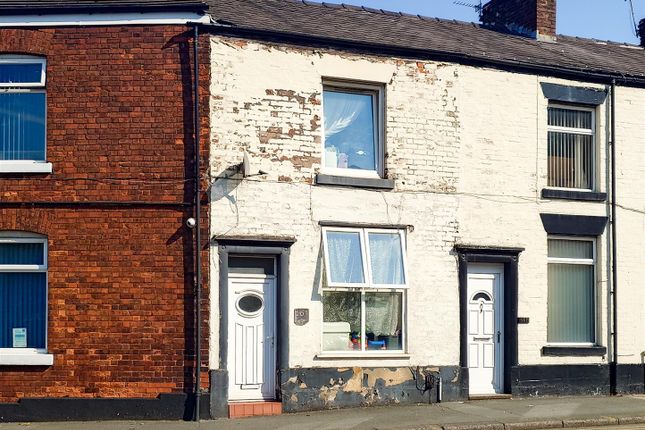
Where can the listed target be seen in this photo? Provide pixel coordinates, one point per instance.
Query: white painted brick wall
(467, 148)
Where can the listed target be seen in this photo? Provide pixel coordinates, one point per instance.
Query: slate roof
(23, 7)
(377, 28)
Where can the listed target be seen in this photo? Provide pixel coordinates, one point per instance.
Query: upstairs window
(364, 292)
(22, 113)
(353, 127)
(23, 291)
(571, 142)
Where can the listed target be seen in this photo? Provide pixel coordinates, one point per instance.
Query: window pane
(20, 73)
(23, 304)
(345, 260)
(251, 265)
(387, 258)
(570, 303)
(341, 321)
(22, 126)
(570, 163)
(579, 249)
(383, 320)
(559, 117)
(22, 253)
(350, 138)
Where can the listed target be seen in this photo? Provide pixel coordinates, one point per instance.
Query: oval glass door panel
(250, 304)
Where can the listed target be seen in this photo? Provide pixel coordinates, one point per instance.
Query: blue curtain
(22, 126)
(23, 304)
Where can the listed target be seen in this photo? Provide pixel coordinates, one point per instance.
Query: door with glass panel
(364, 291)
(251, 328)
(485, 329)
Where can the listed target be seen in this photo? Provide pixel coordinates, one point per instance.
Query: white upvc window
(23, 116)
(23, 299)
(353, 129)
(364, 293)
(571, 317)
(571, 147)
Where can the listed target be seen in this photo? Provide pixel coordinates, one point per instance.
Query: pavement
(508, 414)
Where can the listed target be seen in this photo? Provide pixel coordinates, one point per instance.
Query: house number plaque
(301, 316)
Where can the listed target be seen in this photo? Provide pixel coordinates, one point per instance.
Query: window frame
(8, 356)
(40, 87)
(365, 288)
(25, 59)
(585, 262)
(593, 132)
(377, 91)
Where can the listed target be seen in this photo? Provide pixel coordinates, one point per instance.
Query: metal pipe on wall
(198, 242)
(613, 368)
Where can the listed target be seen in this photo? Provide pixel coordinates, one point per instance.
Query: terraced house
(97, 180)
(406, 209)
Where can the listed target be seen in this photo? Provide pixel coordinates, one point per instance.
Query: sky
(597, 19)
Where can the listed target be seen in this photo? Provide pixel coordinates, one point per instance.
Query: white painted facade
(467, 148)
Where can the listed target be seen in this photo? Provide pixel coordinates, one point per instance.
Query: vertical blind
(571, 301)
(570, 149)
(22, 126)
(23, 304)
(23, 293)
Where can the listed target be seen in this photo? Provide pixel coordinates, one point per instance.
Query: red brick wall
(531, 15)
(119, 128)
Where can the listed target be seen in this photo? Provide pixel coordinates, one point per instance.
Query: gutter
(391, 50)
(102, 8)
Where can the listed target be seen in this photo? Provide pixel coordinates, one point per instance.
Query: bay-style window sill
(365, 355)
(25, 167)
(574, 351)
(25, 357)
(354, 181)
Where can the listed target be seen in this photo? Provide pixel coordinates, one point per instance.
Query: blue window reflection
(350, 137)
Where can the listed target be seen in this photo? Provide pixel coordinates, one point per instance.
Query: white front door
(485, 329)
(251, 334)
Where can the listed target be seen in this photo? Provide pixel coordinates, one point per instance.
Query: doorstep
(254, 409)
(489, 396)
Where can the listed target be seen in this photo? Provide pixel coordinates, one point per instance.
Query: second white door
(485, 329)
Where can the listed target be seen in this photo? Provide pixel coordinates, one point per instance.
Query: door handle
(498, 335)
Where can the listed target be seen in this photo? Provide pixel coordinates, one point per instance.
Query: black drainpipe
(198, 242)
(613, 368)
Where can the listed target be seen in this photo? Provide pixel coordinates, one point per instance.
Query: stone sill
(356, 355)
(349, 181)
(29, 357)
(25, 167)
(587, 196)
(574, 351)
